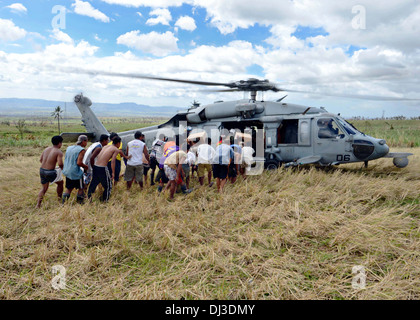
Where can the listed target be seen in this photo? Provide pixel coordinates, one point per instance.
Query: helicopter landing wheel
(272, 165)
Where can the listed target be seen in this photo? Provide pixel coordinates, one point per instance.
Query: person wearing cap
(134, 169)
(73, 165)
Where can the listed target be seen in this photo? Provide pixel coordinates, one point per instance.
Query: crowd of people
(85, 169)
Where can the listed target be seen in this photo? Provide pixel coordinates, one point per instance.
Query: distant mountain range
(38, 107)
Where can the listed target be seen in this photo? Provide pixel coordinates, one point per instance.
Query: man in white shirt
(205, 155)
(136, 148)
(247, 158)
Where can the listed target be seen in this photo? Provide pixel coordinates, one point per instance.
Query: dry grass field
(287, 234)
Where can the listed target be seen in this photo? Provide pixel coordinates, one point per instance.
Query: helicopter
(281, 133)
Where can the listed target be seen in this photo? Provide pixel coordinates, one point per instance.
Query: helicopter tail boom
(90, 121)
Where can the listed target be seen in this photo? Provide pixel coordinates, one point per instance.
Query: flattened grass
(288, 234)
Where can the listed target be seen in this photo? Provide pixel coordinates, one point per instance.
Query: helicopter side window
(328, 129)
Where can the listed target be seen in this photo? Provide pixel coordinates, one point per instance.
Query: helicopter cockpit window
(328, 129)
(347, 126)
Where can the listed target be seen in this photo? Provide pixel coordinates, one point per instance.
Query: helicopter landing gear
(271, 164)
(400, 162)
(366, 164)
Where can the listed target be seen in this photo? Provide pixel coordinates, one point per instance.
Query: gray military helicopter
(282, 133)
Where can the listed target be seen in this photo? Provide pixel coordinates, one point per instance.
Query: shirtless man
(100, 169)
(49, 158)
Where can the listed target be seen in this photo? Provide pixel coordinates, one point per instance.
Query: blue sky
(124, 19)
(357, 47)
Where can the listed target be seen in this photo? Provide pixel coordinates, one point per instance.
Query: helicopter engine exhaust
(224, 110)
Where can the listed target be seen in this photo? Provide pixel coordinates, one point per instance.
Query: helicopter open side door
(293, 139)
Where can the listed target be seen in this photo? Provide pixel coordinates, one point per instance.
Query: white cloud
(17, 7)
(282, 38)
(158, 44)
(206, 63)
(99, 39)
(388, 64)
(36, 73)
(163, 16)
(394, 23)
(61, 36)
(325, 69)
(58, 52)
(86, 9)
(147, 3)
(186, 23)
(10, 32)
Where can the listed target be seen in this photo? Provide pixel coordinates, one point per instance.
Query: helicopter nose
(382, 149)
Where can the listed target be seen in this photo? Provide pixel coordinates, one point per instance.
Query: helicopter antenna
(306, 111)
(281, 99)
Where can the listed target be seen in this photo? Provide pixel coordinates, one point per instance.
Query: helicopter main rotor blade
(141, 76)
(247, 85)
(220, 90)
(352, 96)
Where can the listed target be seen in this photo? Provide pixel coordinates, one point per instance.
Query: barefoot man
(73, 165)
(101, 172)
(49, 158)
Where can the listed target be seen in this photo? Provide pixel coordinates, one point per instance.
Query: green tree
(21, 127)
(57, 115)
